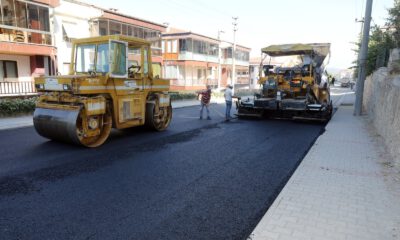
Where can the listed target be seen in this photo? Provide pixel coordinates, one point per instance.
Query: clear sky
(263, 22)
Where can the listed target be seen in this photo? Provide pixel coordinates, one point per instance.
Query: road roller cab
(111, 83)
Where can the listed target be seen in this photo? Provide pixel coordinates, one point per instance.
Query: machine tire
(161, 122)
(105, 130)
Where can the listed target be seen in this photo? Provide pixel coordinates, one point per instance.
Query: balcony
(17, 88)
(25, 36)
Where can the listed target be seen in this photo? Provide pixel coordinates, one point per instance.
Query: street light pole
(234, 54)
(363, 60)
(219, 58)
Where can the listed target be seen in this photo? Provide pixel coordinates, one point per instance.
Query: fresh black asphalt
(200, 179)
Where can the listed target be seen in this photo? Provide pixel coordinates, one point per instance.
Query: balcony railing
(17, 88)
(21, 35)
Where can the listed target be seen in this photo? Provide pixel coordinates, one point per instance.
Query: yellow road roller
(111, 84)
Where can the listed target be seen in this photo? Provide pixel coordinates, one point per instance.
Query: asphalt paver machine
(293, 84)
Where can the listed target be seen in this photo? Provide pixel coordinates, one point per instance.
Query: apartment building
(26, 45)
(36, 36)
(70, 23)
(193, 60)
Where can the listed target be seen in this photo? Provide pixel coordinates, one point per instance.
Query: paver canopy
(319, 51)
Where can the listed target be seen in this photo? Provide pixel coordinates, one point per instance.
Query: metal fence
(17, 88)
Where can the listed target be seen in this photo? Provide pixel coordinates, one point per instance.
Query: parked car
(345, 84)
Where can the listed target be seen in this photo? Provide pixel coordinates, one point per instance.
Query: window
(138, 32)
(201, 47)
(181, 72)
(8, 12)
(213, 49)
(118, 59)
(102, 64)
(8, 69)
(171, 72)
(156, 70)
(242, 55)
(115, 28)
(134, 59)
(130, 31)
(103, 27)
(21, 14)
(44, 24)
(185, 45)
(25, 17)
(169, 46)
(145, 62)
(124, 29)
(33, 15)
(85, 58)
(174, 46)
(201, 74)
(163, 46)
(228, 53)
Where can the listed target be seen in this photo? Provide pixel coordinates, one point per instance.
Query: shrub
(183, 95)
(17, 105)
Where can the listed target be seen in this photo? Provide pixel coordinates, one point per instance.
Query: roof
(179, 32)
(112, 37)
(113, 11)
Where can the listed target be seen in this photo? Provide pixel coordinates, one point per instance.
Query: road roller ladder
(112, 83)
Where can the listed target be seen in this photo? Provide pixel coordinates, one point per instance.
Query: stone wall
(382, 103)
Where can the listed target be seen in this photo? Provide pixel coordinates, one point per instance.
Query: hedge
(17, 105)
(183, 95)
(27, 105)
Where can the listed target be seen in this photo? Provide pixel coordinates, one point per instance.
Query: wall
(74, 14)
(23, 65)
(382, 103)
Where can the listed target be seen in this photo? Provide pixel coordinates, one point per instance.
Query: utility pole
(233, 77)
(219, 58)
(363, 60)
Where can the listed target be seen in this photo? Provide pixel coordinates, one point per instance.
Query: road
(200, 179)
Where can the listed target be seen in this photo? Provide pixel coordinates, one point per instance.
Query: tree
(379, 46)
(382, 40)
(394, 21)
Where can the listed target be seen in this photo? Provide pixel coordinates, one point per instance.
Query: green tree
(379, 46)
(394, 22)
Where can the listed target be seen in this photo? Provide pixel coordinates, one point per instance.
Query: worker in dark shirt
(205, 101)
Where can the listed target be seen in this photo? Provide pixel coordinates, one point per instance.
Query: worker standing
(228, 101)
(205, 101)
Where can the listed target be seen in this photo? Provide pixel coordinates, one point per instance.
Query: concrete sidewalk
(25, 121)
(345, 188)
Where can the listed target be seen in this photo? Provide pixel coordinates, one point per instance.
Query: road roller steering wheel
(133, 69)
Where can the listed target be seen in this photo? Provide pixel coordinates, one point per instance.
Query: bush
(17, 105)
(183, 95)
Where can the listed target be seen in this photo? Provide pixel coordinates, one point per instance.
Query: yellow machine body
(294, 88)
(110, 84)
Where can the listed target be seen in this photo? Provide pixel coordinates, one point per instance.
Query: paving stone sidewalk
(345, 188)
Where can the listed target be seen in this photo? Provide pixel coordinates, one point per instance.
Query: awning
(71, 29)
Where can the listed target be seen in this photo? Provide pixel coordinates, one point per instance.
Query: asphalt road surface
(200, 179)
